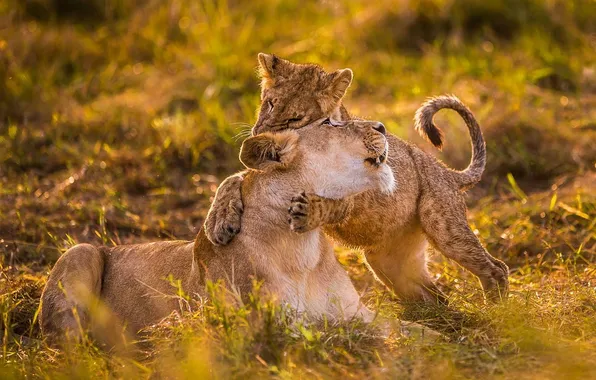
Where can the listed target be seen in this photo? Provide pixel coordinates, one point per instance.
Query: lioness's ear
(269, 150)
(270, 68)
(340, 81)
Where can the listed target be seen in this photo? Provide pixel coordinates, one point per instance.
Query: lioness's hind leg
(74, 282)
(445, 223)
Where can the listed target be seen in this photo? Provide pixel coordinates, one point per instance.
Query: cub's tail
(423, 121)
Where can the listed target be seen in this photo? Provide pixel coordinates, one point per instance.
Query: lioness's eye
(270, 103)
(333, 123)
(294, 119)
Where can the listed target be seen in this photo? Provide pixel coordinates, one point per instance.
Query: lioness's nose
(380, 127)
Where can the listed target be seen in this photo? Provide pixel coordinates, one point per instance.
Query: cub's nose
(380, 127)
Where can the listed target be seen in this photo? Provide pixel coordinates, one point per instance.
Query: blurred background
(118, 118)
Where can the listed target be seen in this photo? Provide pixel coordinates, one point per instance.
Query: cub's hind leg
(401, 266)
(74, 282)
(443, 218)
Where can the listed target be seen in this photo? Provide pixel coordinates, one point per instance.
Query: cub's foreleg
(309, 211)
(223, 221)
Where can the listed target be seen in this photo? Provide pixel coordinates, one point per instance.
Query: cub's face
(294, 95)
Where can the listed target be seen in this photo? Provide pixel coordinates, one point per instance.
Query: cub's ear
(269, 150)
(270, 69)
(340, 81)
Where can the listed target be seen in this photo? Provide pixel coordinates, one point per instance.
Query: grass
(118, 120)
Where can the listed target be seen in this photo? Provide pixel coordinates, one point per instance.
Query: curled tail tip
(423, 122)
(434, 135)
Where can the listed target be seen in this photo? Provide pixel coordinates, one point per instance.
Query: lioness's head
(294, 95)
(334, 159)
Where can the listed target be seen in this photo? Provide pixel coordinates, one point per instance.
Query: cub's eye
(270, 103)
(327, 122)
(295, 119)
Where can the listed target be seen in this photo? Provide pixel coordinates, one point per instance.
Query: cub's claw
(301, 213)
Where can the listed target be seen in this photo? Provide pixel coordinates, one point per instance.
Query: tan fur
(392, 229)
(137, 283)
(314, 93)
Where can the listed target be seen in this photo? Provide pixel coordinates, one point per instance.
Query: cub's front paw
(303, 215)
(225, 223)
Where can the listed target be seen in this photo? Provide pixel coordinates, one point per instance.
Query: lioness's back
(117, 276)
(140, 281)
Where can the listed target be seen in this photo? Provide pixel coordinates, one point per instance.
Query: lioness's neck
(265, 228)
(268, 195)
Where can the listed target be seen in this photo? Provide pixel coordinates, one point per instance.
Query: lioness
(392, 229)
(333, 161)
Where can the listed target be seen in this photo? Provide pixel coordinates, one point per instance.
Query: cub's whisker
(241, 135)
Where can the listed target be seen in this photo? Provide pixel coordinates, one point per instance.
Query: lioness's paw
(302, 213)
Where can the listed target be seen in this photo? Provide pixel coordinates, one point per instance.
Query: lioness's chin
(387, 181)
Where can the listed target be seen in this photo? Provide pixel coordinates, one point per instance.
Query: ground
(118, 120)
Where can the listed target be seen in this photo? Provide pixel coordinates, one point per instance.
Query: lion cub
(135, 282)
(392, 229)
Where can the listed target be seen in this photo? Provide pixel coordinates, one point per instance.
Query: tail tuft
(423, 121)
